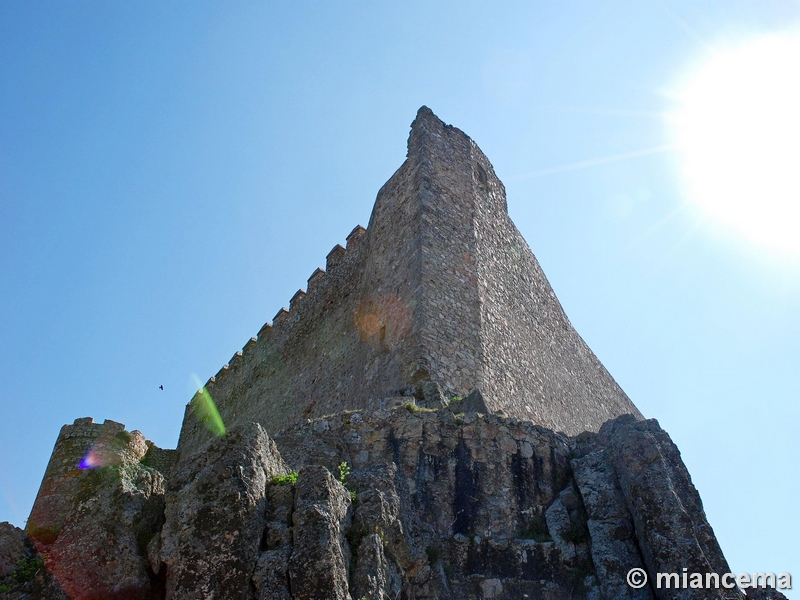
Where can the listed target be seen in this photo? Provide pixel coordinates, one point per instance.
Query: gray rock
(491, 588)
(614, 550)
(216, 513)
(432, 396)
(12, 547)
(271, 579)
(319, 564)
(671, 527)
(369, 580)
(474, 402)
(764, 594)
(559, 526)
(378, 510)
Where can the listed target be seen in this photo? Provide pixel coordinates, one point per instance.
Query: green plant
(289, 479)
(344, 473)
(411, 407)
(124, 437)
(26, 570)
(44, 535)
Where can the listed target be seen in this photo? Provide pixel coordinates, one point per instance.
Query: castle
(422, 423)
(440, 288)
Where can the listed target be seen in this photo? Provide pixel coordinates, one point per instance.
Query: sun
(737, 127)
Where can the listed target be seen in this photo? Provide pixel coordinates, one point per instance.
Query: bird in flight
(161, 387)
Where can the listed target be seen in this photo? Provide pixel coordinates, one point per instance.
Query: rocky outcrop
(614, 547)
(408, 503)
(22, 571)
(216, 508)
(13, 542)
(667, 513)
(320, 558)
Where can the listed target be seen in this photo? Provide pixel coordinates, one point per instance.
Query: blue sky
(171, 173)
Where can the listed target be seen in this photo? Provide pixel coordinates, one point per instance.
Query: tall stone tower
(442, 288)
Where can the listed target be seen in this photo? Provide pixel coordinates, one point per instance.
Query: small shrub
(411, 407)
(26, 570)
(344, 473)
(290, 479)
(124, 437)
(43, 535)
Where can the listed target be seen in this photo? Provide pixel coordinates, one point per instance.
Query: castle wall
(305, 363)
(441, 287)
(537, 366)
(388, 318)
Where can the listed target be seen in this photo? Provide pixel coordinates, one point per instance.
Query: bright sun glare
(738, 130)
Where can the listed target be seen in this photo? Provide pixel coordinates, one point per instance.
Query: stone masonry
(440, 288)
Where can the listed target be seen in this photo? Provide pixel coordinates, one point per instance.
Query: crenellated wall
(310, 360)
(440, 287)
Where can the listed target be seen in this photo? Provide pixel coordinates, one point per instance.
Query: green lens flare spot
(206, 412)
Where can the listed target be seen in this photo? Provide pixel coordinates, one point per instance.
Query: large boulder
(12, 548)
(216, 510)
(665, 509)
(320, 562)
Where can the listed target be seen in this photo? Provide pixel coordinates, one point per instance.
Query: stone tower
(441, 288)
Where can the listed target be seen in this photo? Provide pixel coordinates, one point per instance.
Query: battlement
(283, 318)
(439, 287)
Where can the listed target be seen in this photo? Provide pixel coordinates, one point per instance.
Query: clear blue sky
(171, 173)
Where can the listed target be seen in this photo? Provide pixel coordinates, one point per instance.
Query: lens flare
(382, 319)
(206, 411)
(92, 460)
(738, 127)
